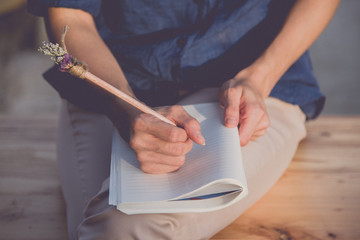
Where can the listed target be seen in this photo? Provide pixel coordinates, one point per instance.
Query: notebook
(212, 177)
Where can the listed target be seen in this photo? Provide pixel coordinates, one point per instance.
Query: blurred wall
(336, 60)
(22, 89)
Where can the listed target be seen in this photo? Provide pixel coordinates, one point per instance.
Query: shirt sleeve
(39, 7)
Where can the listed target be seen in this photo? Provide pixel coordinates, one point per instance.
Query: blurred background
(335, 58)
(31, 206)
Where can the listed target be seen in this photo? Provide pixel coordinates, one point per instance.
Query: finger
(260, 133)
(249, 123)
(145, 142)
(231, 104)
(254, 138)
(192, 128)
(190, 124)
(264, 122)
(148, 157)
(261, 128)
(176, 149)
(151, 125)
(158, 168)
(257, 134)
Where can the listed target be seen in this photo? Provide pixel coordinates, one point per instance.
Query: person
(250, 56)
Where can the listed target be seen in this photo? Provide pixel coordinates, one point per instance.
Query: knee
(113, 224)
(106, 222)
(149, 226)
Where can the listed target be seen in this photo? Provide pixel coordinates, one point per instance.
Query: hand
(244, 105)
(159, 146)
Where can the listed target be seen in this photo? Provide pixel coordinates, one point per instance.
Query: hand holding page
(211, 178)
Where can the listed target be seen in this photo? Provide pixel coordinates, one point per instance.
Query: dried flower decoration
(58, 55)
(61, 57)
(67, 63)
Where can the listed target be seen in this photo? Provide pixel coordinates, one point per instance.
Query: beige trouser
(84, 146)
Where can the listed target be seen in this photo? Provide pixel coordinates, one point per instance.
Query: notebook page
(220, 158)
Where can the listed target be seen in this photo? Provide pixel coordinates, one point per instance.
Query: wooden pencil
(120, 94)
(69, 64)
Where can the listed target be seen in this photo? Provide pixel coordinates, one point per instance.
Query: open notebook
(211, 178)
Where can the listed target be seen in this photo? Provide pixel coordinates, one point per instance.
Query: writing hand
(159, 146)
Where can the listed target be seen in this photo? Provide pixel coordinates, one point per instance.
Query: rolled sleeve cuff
(39, 8)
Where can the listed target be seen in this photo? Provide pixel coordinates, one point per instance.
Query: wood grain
(318, 197)
(31, 204)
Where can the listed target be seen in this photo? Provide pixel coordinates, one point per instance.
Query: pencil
(67, 63)
(120, 94)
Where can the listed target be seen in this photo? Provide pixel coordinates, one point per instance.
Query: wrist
(263, 74)
(121, 115)
(121, 110)
(257, 76)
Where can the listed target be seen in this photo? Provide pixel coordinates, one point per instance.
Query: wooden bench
(318, 197)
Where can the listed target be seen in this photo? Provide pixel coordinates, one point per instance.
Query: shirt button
(181, 42)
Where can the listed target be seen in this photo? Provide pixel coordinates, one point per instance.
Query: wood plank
(31, 204)
(316, 198)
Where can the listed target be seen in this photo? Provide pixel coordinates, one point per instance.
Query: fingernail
(230, 122)
(201, 138)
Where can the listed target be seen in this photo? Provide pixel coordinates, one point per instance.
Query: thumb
(192, 128)
(190, 125)
(232, 108)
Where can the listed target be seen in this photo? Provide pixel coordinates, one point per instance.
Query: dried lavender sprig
(58, 55)
(62, 58)
(54, 50)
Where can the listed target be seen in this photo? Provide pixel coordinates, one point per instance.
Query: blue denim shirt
(165, 46)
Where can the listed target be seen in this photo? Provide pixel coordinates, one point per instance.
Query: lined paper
(220, 160)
